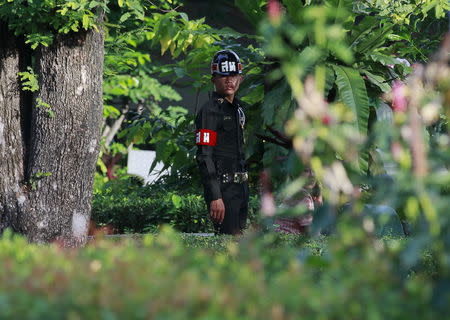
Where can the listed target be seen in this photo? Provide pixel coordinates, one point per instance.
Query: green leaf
(353, 92)
(273, 100)
(120, 3)
(284, 112)
(329, 80)
(29, 80)
(383, 59)
(63, 11)
(377, 80)
(340, 8)
(176, 200)
(256, 94)
(360, 32)
(184, 16)
(340, 4)
(230, 33)
(47, 108)
(252, 9)
(94, 4)
(374, 39)
(125, 16)
(74, 27)
(86, 21)
(293, 6)
(110, 111)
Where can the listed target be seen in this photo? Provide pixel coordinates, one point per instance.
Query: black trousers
(235, 198)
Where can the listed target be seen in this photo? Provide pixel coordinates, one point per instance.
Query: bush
(254, 277)
(129, 207)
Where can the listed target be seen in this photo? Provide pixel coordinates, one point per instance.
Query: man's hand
(217, 210)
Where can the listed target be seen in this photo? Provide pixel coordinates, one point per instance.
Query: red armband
(205, 137)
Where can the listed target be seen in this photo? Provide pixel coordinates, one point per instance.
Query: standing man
(220, 140)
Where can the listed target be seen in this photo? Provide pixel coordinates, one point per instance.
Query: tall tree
(49, 144)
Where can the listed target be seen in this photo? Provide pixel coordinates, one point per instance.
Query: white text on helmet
(228, 66)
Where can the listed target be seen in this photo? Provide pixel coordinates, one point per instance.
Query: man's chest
(231, 117)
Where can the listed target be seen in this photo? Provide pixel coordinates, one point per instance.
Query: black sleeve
(207, 119)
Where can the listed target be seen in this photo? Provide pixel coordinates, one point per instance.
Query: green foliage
(130, 72)
(46, 107)
(171, 133)
(131, 208)
(252, 9)
(249, 278)
(417, 33)
(418, 186)
(174, 31)
(352, 91)
(39, 21)
(110, 112)
(138, 89)
(142, 213)
(29, 80)
(400, 11)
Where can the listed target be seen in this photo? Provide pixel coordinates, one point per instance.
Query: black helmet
(226, 63)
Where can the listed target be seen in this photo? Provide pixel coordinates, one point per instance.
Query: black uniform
(220, 157)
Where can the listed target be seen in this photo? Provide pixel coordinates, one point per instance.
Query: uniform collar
(221, 99)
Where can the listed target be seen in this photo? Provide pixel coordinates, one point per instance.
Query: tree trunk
(12, 197)
(54, 201)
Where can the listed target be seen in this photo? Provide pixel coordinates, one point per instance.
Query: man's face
(226, 85)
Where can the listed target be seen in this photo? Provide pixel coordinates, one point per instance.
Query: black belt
(236, 177)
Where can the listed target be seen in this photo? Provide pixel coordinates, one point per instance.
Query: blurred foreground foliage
(162, 277)
(401, 160)
(415, 141)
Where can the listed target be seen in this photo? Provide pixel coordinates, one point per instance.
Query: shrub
(129, 207)
(254, 277)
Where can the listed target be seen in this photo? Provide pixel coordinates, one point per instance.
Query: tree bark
(12, 197)
(47, 190)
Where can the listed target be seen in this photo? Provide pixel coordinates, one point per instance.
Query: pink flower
(267, 201)
(396, 150)
(267, 205)
(399, 102)
(326, 120)
(274, 10)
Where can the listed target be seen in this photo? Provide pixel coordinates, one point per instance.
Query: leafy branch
(46, 107)
(29, 80)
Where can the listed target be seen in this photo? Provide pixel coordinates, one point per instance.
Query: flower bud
(274, 11)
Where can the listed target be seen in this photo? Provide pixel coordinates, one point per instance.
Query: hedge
(253, 278)
(130, 208)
